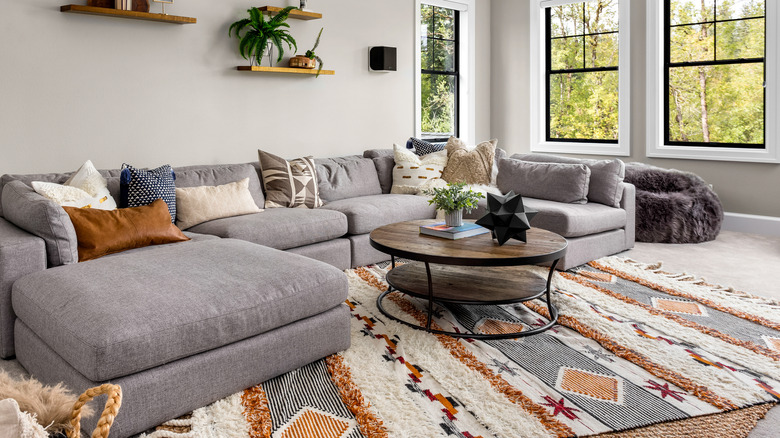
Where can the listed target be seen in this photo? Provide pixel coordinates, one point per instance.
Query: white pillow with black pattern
(422, 147)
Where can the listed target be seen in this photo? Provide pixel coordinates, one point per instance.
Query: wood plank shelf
(300, 15)
(300, 71)
(133, 15)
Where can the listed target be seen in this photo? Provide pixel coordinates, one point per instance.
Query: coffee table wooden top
(403, 239)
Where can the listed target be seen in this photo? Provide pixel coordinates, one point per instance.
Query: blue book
(442, 230)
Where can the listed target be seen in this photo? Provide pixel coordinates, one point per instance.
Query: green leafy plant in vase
(260, 34)
(453, 199)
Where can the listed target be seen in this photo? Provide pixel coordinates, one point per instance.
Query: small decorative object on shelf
(313, 56)
(303, 4)
(262, 32)
(164, 2)
(300, 61)
(444, 231)
(507, 217)
(453, 199)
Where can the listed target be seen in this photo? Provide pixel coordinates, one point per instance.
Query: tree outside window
(439, 71)
(715, 73)
(582, 72)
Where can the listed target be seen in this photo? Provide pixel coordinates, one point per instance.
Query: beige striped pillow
(289, 184)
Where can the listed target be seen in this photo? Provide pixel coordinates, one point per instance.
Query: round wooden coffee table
(472, 270)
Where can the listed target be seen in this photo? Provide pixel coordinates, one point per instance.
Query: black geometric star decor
(507, 217)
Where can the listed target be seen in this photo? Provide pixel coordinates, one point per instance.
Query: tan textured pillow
(195, 205)
(103, 232)
(411, 171)
(470, 166)
(290, 184)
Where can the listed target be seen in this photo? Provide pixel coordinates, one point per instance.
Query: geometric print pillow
(422, 147)
(412, 171)
(289, 184)
(139, 187)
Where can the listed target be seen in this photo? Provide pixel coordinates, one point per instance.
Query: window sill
(585, 148)
(715, 154)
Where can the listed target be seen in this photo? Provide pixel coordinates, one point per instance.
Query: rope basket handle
(113, 404)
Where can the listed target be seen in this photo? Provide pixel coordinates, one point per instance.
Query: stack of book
(445, 232)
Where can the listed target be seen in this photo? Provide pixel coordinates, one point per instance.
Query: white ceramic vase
(454, 218)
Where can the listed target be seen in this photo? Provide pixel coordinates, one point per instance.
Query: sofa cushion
(553, 181)
(289, 184)
(346, 177)
(280, 228)
(470, 165)
(195, 205)
(606, 176)
(366, 213)
(573, 220)
(217, 175)
(102, 232)
(44, 218)
(219, 292)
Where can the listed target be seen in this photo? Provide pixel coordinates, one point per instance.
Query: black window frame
(455, 73)
(668, 64)
(549, 72)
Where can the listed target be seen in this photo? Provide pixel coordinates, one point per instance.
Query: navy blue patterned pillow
(422, 147)
(139, 187)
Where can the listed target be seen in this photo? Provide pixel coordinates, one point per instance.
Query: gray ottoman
(178, 326)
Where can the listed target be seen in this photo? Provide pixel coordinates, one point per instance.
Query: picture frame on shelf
(164, 2)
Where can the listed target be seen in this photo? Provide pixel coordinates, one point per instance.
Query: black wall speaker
(382, 59)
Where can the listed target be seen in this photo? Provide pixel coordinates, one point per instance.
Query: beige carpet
(743, 261)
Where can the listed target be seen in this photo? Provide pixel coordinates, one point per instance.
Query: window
(445, 64)
(713, 81)
(583, 70)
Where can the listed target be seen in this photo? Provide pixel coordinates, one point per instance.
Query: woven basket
(113, 404)
(299, 61)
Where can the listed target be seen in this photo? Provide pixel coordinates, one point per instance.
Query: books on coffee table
(442, 230)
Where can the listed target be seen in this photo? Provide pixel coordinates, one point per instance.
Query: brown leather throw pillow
(103, 232)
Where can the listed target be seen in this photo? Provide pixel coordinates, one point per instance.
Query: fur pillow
(86, 188)
(412, 171)
(470, 166)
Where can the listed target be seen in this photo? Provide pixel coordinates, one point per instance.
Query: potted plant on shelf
(262, 34)
(310, 59)
(453, 199)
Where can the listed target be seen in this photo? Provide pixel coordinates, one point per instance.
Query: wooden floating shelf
(300, 71)
(133, 15)
(300, 15)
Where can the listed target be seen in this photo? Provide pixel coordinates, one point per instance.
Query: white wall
(748, 188)
(76, 87)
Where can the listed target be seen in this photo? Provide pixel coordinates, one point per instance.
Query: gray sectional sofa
(250, 297)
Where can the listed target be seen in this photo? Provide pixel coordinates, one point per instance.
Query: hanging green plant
(260, 32)
(311, 55)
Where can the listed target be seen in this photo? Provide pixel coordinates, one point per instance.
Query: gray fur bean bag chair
(673, 206)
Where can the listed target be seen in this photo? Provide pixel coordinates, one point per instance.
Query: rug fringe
(256, 412)
(369, 424)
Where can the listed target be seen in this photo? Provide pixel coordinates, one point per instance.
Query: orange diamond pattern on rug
(312, 423)
(773, 343)
(678, 306)
(496, 327)
(591, 385)
(601, 277)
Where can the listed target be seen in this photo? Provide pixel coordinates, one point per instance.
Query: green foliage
(717, 103)
(454, 198)
(311, 55)
(259, 32)
(438, 53)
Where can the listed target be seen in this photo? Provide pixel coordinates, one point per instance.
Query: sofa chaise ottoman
(178, 326)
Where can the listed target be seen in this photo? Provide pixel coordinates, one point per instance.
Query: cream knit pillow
(412, 171)
(195, 205)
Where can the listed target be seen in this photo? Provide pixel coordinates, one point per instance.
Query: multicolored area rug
(638, 352)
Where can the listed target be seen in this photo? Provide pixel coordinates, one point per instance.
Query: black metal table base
(482, 336)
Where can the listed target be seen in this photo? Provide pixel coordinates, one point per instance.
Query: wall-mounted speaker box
(382, 58)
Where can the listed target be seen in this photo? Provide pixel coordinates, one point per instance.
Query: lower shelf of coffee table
(468, 284)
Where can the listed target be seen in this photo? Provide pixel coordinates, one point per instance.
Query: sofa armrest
(21, 253)
(628, 203)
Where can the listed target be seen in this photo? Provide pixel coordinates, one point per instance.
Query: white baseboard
(753, 224)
